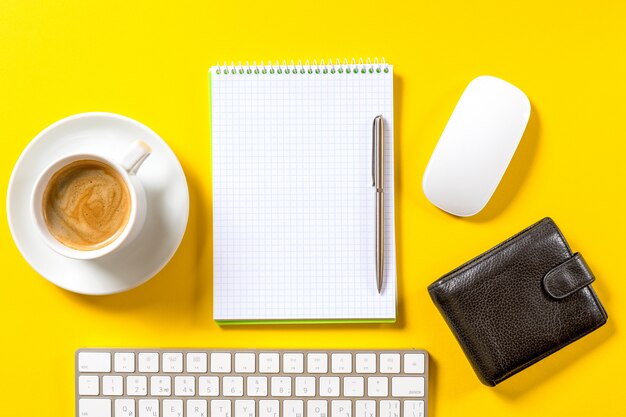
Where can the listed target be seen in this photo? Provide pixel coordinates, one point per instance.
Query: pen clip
(377, 127)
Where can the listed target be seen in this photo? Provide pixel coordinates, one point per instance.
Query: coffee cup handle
(135, 155)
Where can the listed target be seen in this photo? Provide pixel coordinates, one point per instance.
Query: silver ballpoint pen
(378, 154)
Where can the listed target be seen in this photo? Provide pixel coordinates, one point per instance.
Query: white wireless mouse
(476, 146)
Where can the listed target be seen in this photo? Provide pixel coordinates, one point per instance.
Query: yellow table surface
(149, 60)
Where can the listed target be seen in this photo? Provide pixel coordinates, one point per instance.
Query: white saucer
(166, 190)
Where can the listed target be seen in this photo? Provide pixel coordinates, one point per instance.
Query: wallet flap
(568, 277)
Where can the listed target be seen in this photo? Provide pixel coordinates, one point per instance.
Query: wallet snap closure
(568, 277)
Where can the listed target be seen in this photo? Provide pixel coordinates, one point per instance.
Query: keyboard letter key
(268, 408)
(125, 408)
(317, 408)
(220, 408)
(148, 408)
(196, 408)
(341, 408)
(245, 408)
(293, 408)
(172, 408)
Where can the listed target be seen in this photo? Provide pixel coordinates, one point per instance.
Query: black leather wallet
(519, 302)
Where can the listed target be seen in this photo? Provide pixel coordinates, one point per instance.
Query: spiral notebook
(293, 202)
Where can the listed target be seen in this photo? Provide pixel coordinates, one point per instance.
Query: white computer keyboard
(251, 383)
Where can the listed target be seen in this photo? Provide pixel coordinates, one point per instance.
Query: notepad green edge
(296, 321)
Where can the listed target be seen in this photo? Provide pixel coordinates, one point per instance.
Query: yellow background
(149, 60)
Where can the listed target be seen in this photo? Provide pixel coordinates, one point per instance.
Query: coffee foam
(86, 205)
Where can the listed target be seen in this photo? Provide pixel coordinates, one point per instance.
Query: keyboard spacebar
(94, 407)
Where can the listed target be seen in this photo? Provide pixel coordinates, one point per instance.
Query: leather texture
(519, 302)
(565, 279)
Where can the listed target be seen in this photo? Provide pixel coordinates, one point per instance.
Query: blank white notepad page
(293, 202)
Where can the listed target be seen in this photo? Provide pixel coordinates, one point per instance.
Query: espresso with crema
(86, 205)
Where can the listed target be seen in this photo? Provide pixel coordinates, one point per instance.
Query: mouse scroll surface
(476, 146)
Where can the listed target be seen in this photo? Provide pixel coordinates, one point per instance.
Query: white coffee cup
(126, 167)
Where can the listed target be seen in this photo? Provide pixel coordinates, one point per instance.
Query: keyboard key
(317, 363)
(389, 363)
(184, 386)
(407, 386)
(413, 363)
(341, 408)
(413, 408)
(92, 407)
(244, 363)
(245, 408)
(377, 386)
(353, 386)
(112, 385)
(125, 408)
(94, 362)
(172, 408)
(256, 386)
(160, 386)
(365, 408)
(220, 363)
(341, 363)
(172, 362)
(221, 408)
(269, 363)
(305, 386)
(197, 408)
(148, 408)
(209, 386)
(389, 408)
(317, 408)
(88, 385)
(366, 363)
(329, 386)
(293, 363)
(281, 386)
(196, 362)
(268, 408)
(124, 362)
(233, 386)
(136, 385)
(293, 408)
(148, 362)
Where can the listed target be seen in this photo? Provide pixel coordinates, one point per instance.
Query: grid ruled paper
(293, 202)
